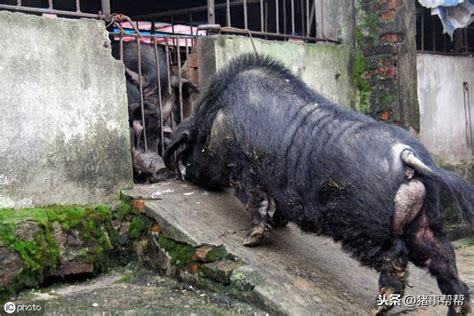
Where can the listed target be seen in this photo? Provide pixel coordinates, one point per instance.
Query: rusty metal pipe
(140, 85)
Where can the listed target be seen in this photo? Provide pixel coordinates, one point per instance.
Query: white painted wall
(444, 126)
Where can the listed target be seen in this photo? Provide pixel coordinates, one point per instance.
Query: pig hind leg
(392, 265)
(430, 248)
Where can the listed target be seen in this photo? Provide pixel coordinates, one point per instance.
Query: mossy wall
(56, 241)
(384, 63)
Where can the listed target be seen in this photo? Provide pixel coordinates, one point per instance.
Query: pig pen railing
(100, 10)
(161, 69)
(292, 20)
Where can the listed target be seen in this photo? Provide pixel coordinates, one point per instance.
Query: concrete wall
(63, 126)
(324, 67)
(443, 117)
(335, 20)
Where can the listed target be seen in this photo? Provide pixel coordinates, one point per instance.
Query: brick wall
(385, 61)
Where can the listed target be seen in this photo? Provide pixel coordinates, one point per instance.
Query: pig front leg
(258, 204)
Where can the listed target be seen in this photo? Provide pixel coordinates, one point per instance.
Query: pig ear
(132, 75)
(177, 141)
(135, 78)
(187, 86)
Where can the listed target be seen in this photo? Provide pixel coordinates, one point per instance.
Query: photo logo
(9, 307)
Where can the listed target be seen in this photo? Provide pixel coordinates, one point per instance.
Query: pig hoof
(377, 310)
(256, 235)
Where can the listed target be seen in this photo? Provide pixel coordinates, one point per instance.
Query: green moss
(365, 35)
(139, 226)
(181, 254)
(360, 81)
(217, 253)
(41, 252)
(123, 209)
(388, 99)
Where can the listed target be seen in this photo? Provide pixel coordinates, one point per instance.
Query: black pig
(332, 171)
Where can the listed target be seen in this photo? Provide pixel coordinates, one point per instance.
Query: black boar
(332, 171)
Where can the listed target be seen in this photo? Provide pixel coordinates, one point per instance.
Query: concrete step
(293, 273)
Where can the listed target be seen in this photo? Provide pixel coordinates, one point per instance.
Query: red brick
(201, 253)
(384, 116)
(139, 206)
(387, 71)
(388, 15)
(393, 4)
(390, 4)
(391, 38)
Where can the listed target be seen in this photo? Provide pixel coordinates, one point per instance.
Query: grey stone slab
(300, 274)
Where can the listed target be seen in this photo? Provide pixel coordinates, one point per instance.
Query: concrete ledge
(292, 272)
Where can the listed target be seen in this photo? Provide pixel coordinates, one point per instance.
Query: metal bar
(258, 33)
(160, 35)
(322, 18)
(337, 41)
(292, 16)
(227, 12)
(315, 20)
(140, 85)
(18, 3)
(188, 70)
(172, 30)
(50, 4)
(245, 15)
(158, 75)
(49, 11)
(266, 16)
(467, 111)
(190, 10)
(167, 48)
(211, 12)
(78, 6)
(105, 6)
(262, 22)
(308, 25)
(434, 33)
(191, 23)
(284, 16)
(277, 16)
(168, 71)
(422, 30)
(302, 16)
(121, 45)
(180, 85)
